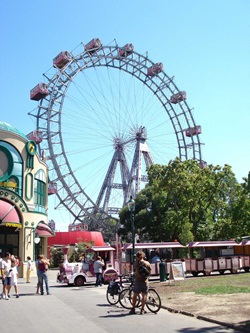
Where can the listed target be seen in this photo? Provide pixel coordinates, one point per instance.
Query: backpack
(143, 270)
(113, 288)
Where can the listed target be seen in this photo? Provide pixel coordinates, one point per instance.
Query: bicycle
(115, 290)
(153, 302)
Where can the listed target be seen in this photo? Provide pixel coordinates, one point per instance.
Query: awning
(162, 245)
(43, 230)
(73, 237)
(100, 248)
(9, 216)
(213, 244)
(245, 242)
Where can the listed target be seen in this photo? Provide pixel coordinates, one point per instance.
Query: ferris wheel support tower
(100, 93)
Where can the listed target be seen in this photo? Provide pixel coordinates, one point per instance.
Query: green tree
(185, 202)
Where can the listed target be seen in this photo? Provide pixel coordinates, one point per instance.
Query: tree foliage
(185, 202)
(107, 227)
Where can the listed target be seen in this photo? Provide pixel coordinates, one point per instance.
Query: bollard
(162, 266)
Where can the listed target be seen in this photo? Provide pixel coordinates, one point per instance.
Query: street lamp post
(131, 207)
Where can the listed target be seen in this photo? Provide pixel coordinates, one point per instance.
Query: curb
(233, 326)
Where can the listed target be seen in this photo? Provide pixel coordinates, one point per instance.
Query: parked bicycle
(118, 292)
(153, 302)
(114, 290)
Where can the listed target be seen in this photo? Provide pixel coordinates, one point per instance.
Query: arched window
(11, 168)
(40, 188)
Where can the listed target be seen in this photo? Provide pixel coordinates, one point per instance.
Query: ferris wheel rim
(136, 65)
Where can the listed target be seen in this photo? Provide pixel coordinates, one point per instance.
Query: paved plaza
(70, 308)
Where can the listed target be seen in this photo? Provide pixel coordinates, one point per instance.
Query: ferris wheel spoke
(106, 119)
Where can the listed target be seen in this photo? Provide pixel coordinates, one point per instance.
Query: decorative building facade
(23, 197)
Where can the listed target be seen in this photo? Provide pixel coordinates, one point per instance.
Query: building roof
(73, 237)
(9, 128)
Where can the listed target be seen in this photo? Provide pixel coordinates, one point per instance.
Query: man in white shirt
(6, 275)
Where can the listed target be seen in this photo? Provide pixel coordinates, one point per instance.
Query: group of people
(9, 274)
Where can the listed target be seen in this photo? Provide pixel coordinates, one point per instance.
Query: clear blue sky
(205, 44)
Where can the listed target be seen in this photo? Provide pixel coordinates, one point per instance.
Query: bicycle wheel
(112, 298)
(126, 299)
(153, 302)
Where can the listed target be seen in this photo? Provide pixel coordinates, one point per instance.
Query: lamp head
(37, 240)
(131, 204)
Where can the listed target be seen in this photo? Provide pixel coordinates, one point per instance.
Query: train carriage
(168, 251)
(208, 257)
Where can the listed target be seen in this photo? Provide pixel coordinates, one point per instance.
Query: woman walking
(42, 265)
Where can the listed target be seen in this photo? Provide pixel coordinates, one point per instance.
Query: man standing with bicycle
(142, 271)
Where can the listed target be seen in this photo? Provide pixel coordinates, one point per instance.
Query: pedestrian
(156, 258)
(141, 282)
(6, 267)
(17, 262)
(38, 282)
(1, 261)
(29, 268)
(14, 276)
(42, 266)
(98, 264)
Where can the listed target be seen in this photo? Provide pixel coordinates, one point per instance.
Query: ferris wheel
(106, 113)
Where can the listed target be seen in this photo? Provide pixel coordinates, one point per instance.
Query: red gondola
(35, 136)
(155, 69)
(193, 131)
(61, 59)
(39, 91)
(126, 50)
(93, 45)
(178, 97)
(52, 188)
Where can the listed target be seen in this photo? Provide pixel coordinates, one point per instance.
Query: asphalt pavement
(71, 308)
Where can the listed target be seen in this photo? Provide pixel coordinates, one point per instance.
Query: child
(14, 276)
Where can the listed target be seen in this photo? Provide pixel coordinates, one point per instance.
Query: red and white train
(203, 258)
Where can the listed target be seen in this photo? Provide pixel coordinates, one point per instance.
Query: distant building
(78, 227)
(23, 197)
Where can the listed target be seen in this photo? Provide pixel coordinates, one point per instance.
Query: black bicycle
(113, 291)
(118, 292)
(153, 302)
